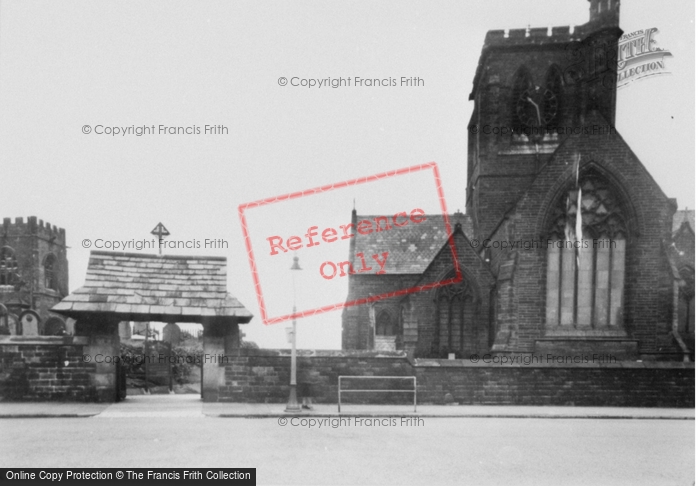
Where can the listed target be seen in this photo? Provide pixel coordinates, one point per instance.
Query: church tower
(578, 259)
(33, 275)
(534, 87)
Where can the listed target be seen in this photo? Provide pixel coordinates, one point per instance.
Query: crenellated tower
(33, 267)
(532, 88)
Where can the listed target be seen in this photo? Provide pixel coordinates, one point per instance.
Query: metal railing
(194, 334)
(340, 390)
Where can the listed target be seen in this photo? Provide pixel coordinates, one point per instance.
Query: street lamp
(293, 403)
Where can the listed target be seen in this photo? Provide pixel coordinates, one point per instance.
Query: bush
(185, 359)
(132, 359)
(188, 357)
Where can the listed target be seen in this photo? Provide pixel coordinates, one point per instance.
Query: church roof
(167, 288)
(411, 248)
(682, 216)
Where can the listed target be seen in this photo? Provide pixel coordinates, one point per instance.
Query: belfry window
(586, 259)
(8, 266)
(554, 89)
(521, 85)
(50, 277)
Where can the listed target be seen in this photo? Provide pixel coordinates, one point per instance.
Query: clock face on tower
(536, 107)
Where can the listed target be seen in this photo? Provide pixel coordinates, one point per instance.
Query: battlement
(605, 11)
(32, 227)
(602, 14)
(534, 36)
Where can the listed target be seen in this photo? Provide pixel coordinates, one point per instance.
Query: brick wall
(625, 384)
(263, 376)
(45, 368)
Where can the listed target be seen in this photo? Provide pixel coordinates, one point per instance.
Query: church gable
(451, 318)
(443, 263)
(622, 291)
(608, 155)
(684, 217)
(683, 240)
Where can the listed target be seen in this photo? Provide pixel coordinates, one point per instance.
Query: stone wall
(257, 375)
(45, 368)
(52, 368)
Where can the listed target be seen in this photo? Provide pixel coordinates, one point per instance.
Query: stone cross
(160, 231)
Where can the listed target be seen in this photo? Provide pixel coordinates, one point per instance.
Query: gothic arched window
(50, 272)
(586, 276)
(8, 266)
(521, 84)
(385, 324)
(554, 84)
(455, 306)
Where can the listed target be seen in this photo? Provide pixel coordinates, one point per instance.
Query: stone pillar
(70, 326)
(214, 344)
(102, 349)
(232, 339)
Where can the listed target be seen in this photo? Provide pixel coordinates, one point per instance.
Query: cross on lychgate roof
(160, 231)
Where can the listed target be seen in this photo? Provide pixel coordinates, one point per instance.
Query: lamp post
(293, 403)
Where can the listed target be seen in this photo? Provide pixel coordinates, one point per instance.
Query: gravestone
(124, 330)
(70, 326)
(30, 323)
(14, 325)
(172, 334)
(140, 328)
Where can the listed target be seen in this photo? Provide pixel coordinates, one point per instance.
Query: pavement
(154, 406)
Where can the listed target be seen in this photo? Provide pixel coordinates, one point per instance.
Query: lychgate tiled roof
(411, 247)
(152, 287)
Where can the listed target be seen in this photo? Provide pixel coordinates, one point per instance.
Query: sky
(65, 65)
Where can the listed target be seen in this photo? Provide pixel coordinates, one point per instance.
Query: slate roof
(134, 286)
(411, 248)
